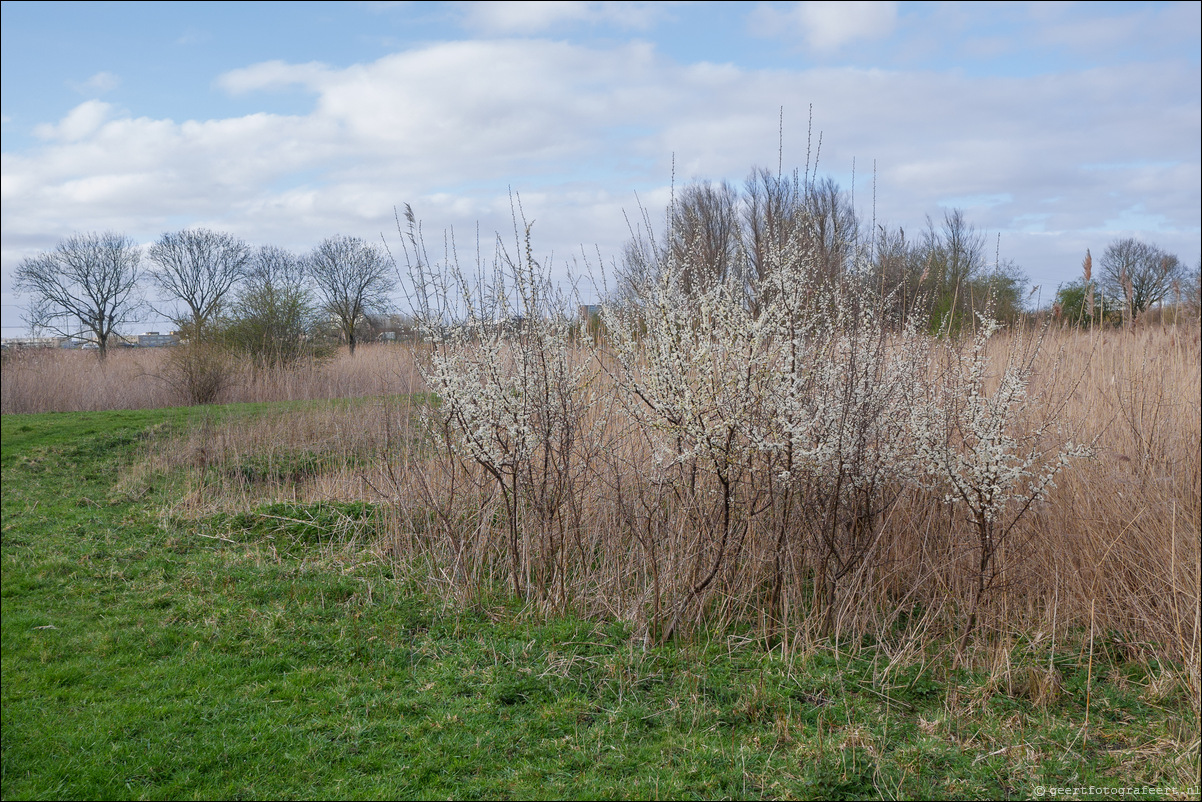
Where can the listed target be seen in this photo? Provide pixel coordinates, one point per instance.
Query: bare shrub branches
(514, 395)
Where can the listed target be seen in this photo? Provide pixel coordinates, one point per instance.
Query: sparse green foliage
(1072, 304)
(274, 318)
(944, 275)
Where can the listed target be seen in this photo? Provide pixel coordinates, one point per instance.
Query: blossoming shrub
(514, 396)
(988, 451)
(776, 423)
(713, 459)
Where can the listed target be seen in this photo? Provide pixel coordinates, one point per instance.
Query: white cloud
(577, 130)
(99, 83)
(82, 121)
(830, 25)
(524, 17)
(1147, 25)
(270, 75)
(826, 26)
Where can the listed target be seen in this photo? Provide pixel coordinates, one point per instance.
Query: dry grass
(1119, 542)
(49, 380)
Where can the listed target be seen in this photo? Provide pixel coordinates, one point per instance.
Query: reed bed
(51, 380)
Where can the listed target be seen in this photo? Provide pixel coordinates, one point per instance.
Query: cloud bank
(1055, 162)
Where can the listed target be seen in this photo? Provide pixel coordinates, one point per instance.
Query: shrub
(200, 372)
(513, 396)
(748, 455)
(990, 446)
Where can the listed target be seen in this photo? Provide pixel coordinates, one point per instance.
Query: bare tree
(85, 288)
(773, 219)
(834, 227)
(271, 266)
(704, 234)
(1139, 273)
(198, 267)
(741, 236)
(353, 279)
(899, 267)
(953, 262)
(1191, 290)
(957, 251)
(637, 271)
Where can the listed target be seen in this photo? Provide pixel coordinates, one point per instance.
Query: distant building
(588, 311)
(35, 342)
(152, 339)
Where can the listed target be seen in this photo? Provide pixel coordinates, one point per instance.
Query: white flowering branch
(979, 445)
(512, 394)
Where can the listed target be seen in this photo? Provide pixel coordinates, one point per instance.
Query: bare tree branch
(198, 267)
(85, 288)
(353, 280)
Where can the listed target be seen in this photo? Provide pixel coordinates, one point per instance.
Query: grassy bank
(277, 652)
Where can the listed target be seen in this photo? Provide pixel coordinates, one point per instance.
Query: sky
(1054, 126)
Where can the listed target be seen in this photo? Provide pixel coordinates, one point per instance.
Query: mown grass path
(148, 657)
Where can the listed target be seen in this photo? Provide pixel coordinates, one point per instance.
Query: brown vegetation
(53, 380)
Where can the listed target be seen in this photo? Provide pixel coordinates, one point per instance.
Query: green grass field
(270, 654)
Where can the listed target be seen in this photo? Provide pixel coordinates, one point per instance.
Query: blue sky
(1059, 126)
